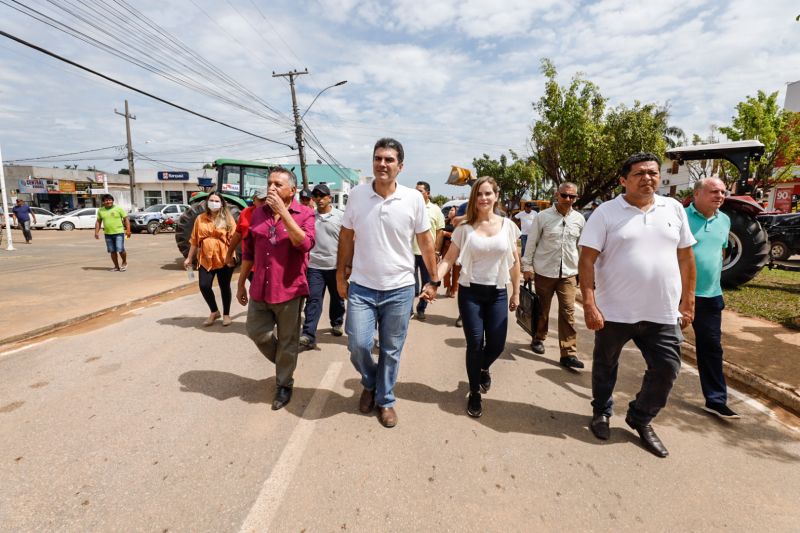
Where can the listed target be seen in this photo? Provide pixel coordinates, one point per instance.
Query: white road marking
(133, 310)
(269, 499)
(17, 350)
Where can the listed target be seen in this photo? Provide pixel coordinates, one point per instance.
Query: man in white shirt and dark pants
(637, 275)
(552, 253)
(380, 222)
(525, 220)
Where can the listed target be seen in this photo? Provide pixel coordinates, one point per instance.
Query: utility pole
(298, 127)
(131, 170)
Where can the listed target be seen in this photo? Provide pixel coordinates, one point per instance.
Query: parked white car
(43, 216)
(80, 219)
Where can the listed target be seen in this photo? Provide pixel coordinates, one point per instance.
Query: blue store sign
(173, 176)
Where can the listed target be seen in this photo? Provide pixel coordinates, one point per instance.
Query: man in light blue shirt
(710, 227)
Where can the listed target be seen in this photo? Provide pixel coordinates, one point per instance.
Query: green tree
(761, 118)
(439, 199)
(514, 179)
(123, 171)
(578, 139)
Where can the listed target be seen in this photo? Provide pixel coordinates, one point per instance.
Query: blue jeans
(318, 281)
(707, 327)
(484, 315)
(390, 310)
(660, 345)
(421, 277)
(115, 243)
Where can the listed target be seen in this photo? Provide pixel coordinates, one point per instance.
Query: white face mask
(214, 206)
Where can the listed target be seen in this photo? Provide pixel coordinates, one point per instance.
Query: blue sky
(450, 79)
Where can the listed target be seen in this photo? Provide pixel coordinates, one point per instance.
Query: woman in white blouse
(485, 245)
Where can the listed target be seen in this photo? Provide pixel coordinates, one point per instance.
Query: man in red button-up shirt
(281, 235)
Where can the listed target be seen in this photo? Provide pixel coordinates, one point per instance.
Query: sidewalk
(63, 279)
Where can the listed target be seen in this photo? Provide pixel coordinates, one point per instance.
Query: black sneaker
(486, 381)
(459, 323)
(474, 408)
(571, 362)
(421, 316)
(721, 410)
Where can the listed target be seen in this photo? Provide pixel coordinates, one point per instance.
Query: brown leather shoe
(367, 401)
(387, 416)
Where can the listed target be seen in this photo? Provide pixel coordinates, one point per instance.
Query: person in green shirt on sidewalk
(710, 228)
(116, 228)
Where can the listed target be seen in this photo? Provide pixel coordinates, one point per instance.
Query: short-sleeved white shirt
(525, 221)
(637, 277)
(384, 232)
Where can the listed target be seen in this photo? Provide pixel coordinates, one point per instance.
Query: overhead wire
(260, 36)
(275, 30)
(163, 70)
(118, 147)
(140, 91)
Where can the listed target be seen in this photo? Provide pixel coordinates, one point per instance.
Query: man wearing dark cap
(305, 198)
(321, 273)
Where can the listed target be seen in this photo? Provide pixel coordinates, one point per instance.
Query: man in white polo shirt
(379, 225)
(637, 277)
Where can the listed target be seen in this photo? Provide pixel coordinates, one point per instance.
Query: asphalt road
(149, 422)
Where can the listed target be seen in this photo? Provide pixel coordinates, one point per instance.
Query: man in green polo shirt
(116, 227)
(710, 227)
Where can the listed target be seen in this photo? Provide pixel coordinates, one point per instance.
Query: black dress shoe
(571, 362)
(537, 347)
(599, 427)
(282, 397)
(649, 438)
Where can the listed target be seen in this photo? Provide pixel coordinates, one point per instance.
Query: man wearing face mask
(281, 235)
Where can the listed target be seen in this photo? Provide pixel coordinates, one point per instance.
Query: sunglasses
(568, 196)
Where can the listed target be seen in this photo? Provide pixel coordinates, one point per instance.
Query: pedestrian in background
(281, 235)
(375, 271)
(306, 199)
(321, 272)
(450, 279)
(421, 275)
(243, 226)
(525, 219)
(116, 227)
(552, 254)
(485, 245)
(637, 282)
(710, 227)
(210, 241)
(22, 213)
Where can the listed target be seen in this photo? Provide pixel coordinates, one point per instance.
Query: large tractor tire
(185, 225)
(748, 249)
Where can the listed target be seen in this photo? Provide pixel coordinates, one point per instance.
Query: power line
(275, 30)
(247, 21)
(140, 91)
(168, 71)
(118, 147)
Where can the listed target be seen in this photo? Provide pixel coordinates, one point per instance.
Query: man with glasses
(276, 249)
(322, 269)
(637, 282)
(552, 254)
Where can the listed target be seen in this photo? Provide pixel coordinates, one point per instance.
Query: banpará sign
(173, 176)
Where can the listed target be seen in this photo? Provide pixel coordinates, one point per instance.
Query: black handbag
(529, 308)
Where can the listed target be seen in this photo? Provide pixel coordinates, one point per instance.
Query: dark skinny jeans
(206, 278)
(484, 314)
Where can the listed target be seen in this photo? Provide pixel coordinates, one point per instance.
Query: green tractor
(237, 181)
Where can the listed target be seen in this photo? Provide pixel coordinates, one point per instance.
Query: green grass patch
(773, 295)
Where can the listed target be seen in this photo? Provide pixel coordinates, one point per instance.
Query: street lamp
(319, 93)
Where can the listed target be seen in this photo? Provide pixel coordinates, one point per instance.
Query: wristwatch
(434, 283)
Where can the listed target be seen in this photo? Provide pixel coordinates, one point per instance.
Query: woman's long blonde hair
(223, 219)
(472, 206)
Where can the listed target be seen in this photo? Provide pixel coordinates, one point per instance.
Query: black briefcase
(529, 308)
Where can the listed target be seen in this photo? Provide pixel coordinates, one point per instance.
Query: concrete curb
(786, 398)
(38, 332)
